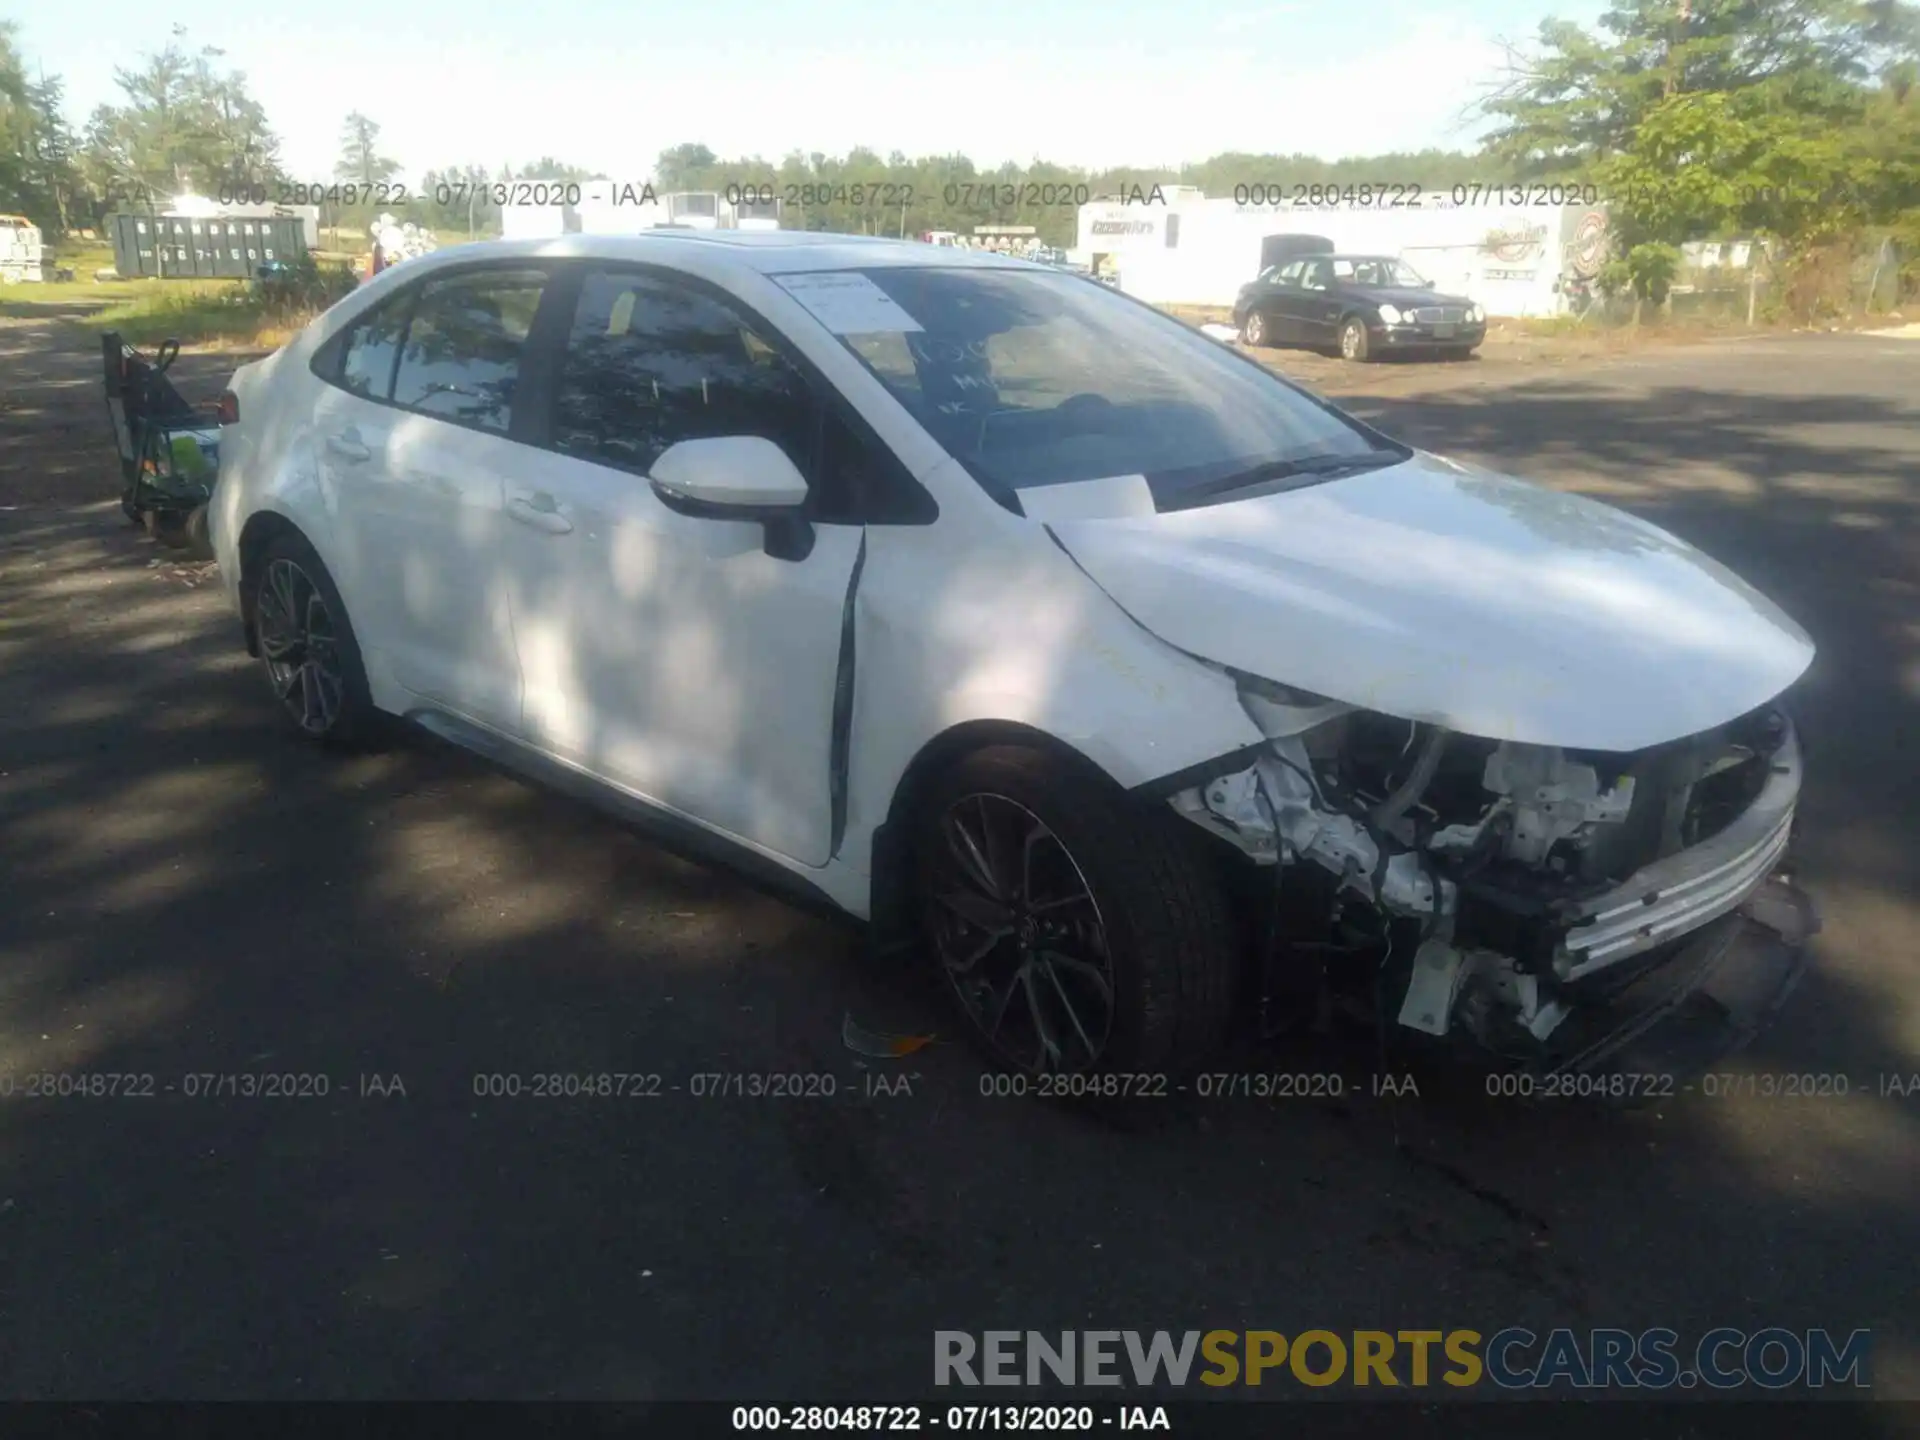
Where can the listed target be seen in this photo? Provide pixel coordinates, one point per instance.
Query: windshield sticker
(848, 304)
(1114, 497)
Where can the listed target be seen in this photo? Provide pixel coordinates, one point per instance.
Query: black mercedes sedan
(1363, 305)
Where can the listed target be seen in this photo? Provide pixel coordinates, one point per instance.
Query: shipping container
(203, 246)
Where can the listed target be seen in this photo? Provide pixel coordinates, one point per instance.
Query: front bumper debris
(1684, 892)
(1725, 985)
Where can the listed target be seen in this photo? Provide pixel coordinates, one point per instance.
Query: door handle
(348, 447)
(540, 512)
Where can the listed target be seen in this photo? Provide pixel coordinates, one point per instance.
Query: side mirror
(738, 477)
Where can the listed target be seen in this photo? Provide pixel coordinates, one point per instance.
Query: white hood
(1446, 593)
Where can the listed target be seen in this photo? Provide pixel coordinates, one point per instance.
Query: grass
(193, 312)
(205, 314)
(208, 314)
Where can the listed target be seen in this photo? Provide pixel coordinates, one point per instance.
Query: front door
(1317, 307)
(669, 655)
(1283, 302)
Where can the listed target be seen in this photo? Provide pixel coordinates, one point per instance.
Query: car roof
(767, 252)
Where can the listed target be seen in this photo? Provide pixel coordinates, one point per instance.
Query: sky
(608, 84)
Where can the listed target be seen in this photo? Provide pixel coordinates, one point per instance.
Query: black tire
(1253, 333)
(1353, 339)
(350, 721)
(1166, 933)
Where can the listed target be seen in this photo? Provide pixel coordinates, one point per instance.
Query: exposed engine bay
(1500, 893)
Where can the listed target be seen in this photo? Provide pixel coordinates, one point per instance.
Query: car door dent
(1067, 662)
(843, 690)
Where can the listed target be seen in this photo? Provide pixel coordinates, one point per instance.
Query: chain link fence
(1742, 282)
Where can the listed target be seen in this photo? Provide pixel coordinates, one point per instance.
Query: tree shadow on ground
(188, 893)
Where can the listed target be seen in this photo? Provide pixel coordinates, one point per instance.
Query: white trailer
(23, 256)
(1189, 250)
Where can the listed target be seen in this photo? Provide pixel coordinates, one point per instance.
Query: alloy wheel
(1351, 339)
(1256, 329)
(1020, 936)
(301, 646)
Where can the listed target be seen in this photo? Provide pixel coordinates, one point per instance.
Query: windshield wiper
(1314, 467)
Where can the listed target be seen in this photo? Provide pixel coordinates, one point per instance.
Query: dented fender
(1066, 662)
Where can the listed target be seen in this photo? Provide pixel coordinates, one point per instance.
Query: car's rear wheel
(1353, 339)
(1254, 331)
(1077, 930)
(307, 647)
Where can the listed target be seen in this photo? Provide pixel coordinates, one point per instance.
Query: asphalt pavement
(185, 896)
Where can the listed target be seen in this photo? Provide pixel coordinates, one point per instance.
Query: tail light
(229, 408)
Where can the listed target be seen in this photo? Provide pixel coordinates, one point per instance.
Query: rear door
(353, 421)
(423, 483)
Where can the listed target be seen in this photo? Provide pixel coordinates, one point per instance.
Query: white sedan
(1126, 686)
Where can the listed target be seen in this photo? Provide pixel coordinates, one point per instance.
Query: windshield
(1383, 274)
(1033, 379)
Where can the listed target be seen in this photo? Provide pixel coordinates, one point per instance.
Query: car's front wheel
(1078, 930)
(307, 647)
(1353, 339)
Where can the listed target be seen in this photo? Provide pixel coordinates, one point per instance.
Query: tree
(55, 193)
(17, 124)
(186, 124)
(548, 168)
(1578, 98)
(360, 157)
(684, 167)
(1779, 120)
(453, 198)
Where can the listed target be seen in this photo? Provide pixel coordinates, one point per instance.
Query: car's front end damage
(1547, 909)
(1526, 780)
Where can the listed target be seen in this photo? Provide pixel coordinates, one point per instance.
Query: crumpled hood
(1446, 593)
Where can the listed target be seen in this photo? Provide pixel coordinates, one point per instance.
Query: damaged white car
(1133, 690)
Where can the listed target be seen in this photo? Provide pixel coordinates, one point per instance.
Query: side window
(461, 360)
(860, 480)
(364, 354)
(1290, 274)
(650, 363)
(1318, 275)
